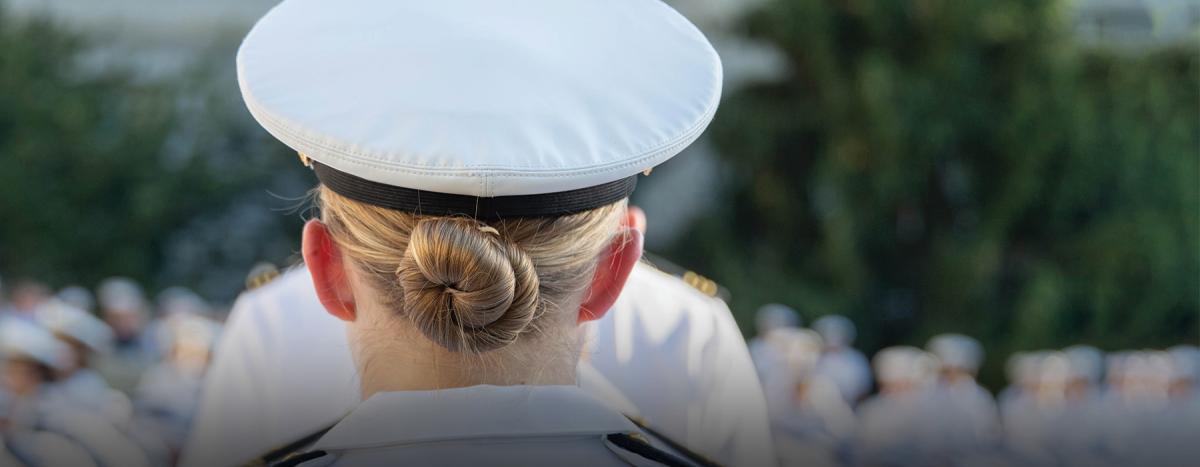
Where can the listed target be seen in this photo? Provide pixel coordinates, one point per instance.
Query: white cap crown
(477, 97)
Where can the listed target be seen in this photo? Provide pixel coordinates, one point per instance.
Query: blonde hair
(470, 286)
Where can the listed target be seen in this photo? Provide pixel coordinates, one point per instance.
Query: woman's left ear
(611, 273)
(324, 261)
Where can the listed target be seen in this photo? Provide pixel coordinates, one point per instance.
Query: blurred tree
(105, 172)
(961, 165)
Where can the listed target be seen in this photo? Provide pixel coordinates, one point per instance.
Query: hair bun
(466, 287)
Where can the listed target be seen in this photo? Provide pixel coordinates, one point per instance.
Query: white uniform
(848, 369)
(841, 363)
(678, 355)
(966, 418)
(478, 425)
(894, 429)
(965, 413)
(40, 448)
(166, 402)
(86, 389)
(893, 426)
(283, 371)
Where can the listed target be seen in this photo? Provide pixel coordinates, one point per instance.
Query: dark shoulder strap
(693, 457)
(297, 459)
(640, 447)
(289, 450)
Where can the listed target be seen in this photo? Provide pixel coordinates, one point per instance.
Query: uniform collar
(483, 411)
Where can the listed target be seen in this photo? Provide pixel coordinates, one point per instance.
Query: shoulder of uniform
(692, 278)
(261, 274)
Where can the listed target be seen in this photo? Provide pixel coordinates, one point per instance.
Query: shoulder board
(693, 457)
(692, 278)
(627, 445)
(261, 274)
(701, 283)
(290, 451)
(297, 459)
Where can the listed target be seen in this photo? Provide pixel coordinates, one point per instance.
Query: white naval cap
(1185, 362)
(1054, 368)
(77, 296)
(193, 331)
(1115, 363)
(837, 330)
(1086, 362)
(121, 294)
(775, 316)
(20, 338)
(476, 107)
(1149, 367)
(957, 351)
(800, 347)
(1021, 368)
(67, 320)
(180, 300)
(903, 364)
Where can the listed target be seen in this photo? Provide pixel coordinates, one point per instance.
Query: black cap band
(443, 204)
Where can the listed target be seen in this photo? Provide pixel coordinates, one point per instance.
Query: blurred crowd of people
(107, 380)
(1072, 407)
(113, 379)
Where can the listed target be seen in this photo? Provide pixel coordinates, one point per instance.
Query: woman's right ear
(324, 261)
(635, 218)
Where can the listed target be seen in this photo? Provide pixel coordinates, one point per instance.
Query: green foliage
(961, 165)
(106, 172)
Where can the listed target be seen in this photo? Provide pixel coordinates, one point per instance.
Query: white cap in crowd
(836, 330)
(903, 364)
(1085, 362)
(1185, 362)
(1023, 368)
(1054, 368)
(78, 297)
(66, 320)
(800, 348)
(121, 294)
(23, 339)
(775, 316)
(957, 351)
(181, 300)
(194, 331)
